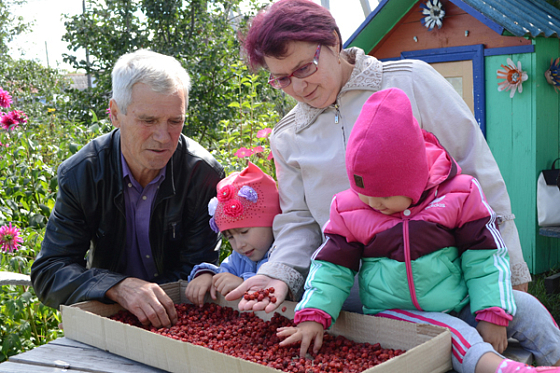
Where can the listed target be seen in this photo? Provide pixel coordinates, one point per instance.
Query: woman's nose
(299, 85)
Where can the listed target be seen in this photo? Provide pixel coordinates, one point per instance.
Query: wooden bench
(550, 232)
(13, 278)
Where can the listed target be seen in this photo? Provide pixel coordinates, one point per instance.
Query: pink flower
(5, 98)
(233, 208)
(261, 134)
(243, 153)
(9, 238)
(226, 193)
(12, 119)
(108, 111)
(257, 149)
(270, 156)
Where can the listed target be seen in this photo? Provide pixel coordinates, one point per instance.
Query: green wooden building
(475, 39)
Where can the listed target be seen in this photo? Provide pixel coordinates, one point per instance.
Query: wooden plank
(14, 278)
(452, 34)
(9, 367)
(81, 358)
(63, 341)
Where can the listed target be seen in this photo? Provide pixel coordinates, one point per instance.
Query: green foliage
(550, 301)
(11, 25)
(240, 130)
(29, 156)
(24, 322)
(555, 3)
(28, 190)
(201, 34)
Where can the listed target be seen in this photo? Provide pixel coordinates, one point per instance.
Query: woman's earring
(339, 58)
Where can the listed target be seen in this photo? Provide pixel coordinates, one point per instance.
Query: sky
(44, 43)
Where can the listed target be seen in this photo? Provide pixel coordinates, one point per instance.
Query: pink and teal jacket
(437, 255)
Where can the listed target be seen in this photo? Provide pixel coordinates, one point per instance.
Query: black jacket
(89, 214)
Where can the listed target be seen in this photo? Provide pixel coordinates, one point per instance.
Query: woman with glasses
(299, 43)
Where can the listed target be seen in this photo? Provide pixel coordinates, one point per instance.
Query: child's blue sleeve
(203, 267)
(234, 264)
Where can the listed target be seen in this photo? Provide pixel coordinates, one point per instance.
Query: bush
(31, 148)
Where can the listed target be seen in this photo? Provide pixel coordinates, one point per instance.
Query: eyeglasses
(303, 72)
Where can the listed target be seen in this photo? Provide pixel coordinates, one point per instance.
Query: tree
(201, 34)
(555, 3)
(11, 27)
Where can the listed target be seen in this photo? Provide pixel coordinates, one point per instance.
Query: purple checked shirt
(138, 203)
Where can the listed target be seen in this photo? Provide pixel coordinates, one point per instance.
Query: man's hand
(197, 288)
(494, 334)
(306, 332)
(145, 300)
(224, 283)
(255, 283)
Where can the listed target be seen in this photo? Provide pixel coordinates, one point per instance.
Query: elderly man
(131, 210)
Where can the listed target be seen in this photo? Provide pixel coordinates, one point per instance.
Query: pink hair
(275, 26)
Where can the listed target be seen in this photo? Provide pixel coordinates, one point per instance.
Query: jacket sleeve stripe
(501, 260)
(309, 289)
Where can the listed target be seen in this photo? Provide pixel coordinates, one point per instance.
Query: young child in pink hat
(426, 247)
(243, 211)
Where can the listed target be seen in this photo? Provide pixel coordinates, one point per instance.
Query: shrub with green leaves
(34, 140)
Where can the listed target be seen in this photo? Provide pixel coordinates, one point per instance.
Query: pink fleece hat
(386, 154)
(245, 199)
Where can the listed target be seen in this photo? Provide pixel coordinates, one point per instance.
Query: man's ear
(114, 113)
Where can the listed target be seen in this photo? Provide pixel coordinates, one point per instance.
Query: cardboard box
(428, 347)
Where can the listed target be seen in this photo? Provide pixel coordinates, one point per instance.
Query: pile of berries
(260, 295)
(246, 336)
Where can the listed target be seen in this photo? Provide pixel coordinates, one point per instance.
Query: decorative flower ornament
(213, 225)
(248, 193)
(434, 13)
(513, 77)
(212, 206)
(225, 193)
(233, 208)
(552, 75)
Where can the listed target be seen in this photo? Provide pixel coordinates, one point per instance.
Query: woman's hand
(224, 283)
(494, 334)
(197, 288)
(255, 283)
(306, 332)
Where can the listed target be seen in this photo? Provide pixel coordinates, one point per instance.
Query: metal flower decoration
(513, 77)
(434, 13)
(552, 75)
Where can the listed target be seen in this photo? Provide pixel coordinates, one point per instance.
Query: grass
(550, 301)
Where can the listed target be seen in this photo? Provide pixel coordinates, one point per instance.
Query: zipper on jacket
(173, 225)
(407, 260)
(337, 112)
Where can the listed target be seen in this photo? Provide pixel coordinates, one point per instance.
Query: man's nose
(161, 133)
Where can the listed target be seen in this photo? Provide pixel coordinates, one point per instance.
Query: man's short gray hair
(164, 74)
